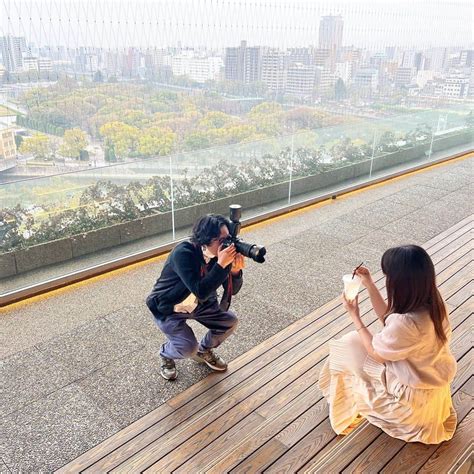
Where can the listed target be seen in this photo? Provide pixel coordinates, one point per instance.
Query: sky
(371, 24)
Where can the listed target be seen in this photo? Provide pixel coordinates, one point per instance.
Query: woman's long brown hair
(411, 284)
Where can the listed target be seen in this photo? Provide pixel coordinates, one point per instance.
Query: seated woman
(398, 379)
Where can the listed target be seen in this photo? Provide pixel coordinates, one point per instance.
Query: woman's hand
(364, 274)
(352, 307)
(238, 263)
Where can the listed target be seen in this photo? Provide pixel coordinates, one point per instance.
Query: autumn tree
(37, 145)
(74, 141)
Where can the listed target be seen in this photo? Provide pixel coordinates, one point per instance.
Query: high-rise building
(322, 57)
(12, 49)
(404, 76)
(466, 58)
(437, 58)
(367, 79)
(300, 80)
(274, 67)
(324, 81)
(243, 63)
(344, 71)
(301, 55)
(330, 36)
(330, 32)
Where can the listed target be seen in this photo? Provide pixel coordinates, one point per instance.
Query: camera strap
(227, 296)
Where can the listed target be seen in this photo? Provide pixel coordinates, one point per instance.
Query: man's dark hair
(207, 228)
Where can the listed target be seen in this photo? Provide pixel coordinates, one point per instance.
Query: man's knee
(231, 319)
(188, 349)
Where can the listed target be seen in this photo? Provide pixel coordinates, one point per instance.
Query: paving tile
(89, 347)
(417, 196)
(28, 376)
(48, 433)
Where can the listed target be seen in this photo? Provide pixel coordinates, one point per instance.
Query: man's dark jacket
(186, 272)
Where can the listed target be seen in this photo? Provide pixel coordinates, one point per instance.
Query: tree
(37, 145)
(18, 141)
(197, 141)
(156, 141)
(340, 90)
(216, 120)
(123, 136)
(74, 142)
(109, 153)
(98, 77)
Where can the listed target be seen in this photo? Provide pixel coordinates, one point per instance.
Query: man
(186, 289)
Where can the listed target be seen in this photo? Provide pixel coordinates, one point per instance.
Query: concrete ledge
(43, 254)
(8, 265)
(95, 240)
(37, 256)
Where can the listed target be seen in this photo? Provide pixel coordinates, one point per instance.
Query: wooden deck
(267, 413)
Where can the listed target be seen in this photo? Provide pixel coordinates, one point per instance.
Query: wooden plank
(461, 312)
(465, 464)
(298, 399)
(375, 456)
(462, 294)
(261, 458)
(223, 455)
(446, 454)
(460, 277)
(466, 222)
(322, 436)
(337, 458)
(453, 256)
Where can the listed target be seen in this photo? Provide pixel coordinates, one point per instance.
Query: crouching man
(186, 289)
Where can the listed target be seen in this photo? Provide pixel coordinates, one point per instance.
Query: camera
(253, 251)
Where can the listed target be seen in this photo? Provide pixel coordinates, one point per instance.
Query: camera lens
(255, 252)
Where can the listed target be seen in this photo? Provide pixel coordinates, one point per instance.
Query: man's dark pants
(182, 342)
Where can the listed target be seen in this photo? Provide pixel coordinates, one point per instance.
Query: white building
(367, 78)
(199, 69)
(344, 71)
(422, 78)
(456, 86)
(45, 65)
(300, 80)
(30, 63)
(274, 64)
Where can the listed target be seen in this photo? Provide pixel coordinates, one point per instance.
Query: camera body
(253, 251)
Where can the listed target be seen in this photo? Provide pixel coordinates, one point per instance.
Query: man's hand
(226, 256)
(238, 264)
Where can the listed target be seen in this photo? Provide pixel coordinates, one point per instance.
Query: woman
(398, 379)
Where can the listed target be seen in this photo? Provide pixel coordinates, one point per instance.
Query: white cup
(351, 286)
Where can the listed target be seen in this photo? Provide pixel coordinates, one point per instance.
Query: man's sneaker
(168, 368)
(211, 359)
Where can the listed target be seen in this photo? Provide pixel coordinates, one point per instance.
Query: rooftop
(80, 363)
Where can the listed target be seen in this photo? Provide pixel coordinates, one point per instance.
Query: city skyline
(219, 24)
